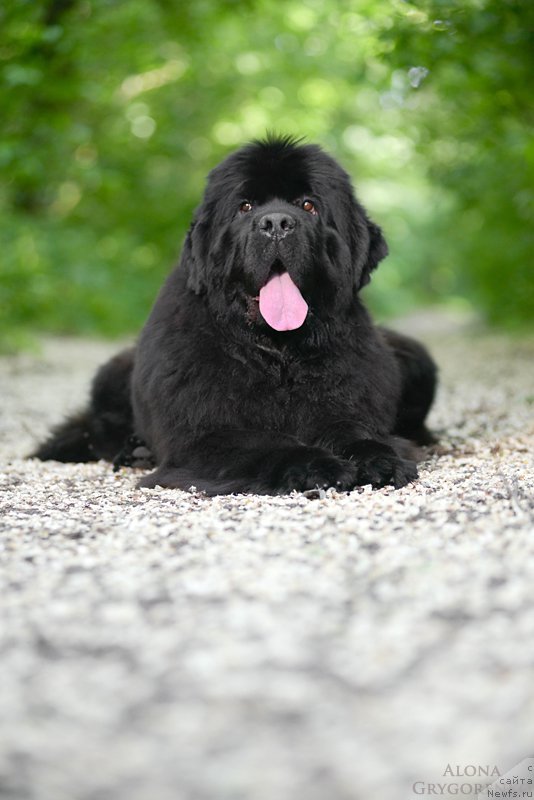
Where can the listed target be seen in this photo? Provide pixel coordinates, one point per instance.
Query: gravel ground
(158, 645)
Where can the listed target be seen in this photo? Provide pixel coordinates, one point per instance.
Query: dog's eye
(308, 206)
(245, 207)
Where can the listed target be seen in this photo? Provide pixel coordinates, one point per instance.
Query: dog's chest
(285, 395)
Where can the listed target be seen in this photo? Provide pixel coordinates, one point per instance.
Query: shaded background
(113, 113)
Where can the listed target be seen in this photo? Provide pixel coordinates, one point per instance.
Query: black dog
(259, 370)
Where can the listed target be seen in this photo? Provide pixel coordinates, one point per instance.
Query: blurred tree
(112, 114)
(477, 60)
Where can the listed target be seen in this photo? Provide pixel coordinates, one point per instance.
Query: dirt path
(157, 645)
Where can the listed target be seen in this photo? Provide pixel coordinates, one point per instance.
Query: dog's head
(280, 237)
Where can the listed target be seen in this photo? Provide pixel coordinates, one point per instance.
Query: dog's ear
(192, 262)
(377, 250)
(367, 243)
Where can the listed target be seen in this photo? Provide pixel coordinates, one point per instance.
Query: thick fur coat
(259, 369)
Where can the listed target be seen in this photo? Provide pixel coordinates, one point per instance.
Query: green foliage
(477, 140)
(112, 114)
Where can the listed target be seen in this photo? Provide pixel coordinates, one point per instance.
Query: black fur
(102, 429)
(224, 402)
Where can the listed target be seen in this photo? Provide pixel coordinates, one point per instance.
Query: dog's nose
(276, 226)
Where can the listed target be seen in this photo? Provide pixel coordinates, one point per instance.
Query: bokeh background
(112, 113)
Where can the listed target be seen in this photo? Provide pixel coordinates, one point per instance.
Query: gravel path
(157, 645)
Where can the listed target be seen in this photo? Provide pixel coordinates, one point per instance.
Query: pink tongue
(281, 304)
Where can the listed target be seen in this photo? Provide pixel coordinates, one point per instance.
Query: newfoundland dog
(259, 369)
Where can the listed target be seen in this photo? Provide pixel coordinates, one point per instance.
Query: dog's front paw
(379, 465)
(316, 470)
(383, 470)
